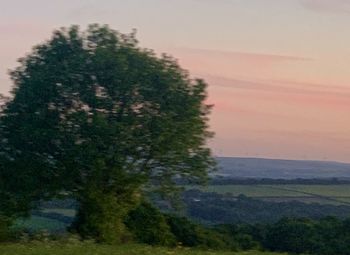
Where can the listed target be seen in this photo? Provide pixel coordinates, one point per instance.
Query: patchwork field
(324, 194)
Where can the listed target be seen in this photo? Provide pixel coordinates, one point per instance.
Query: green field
(65, 212)
(98, 249)
(324, 194)
(36, 223)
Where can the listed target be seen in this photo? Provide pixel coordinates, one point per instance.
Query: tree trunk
(5, 224)
(101, 215)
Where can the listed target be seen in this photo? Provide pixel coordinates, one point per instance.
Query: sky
(278, 70)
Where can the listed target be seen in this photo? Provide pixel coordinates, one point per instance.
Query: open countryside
(324, 194)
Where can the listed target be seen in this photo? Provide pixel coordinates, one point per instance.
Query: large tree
(96, 116)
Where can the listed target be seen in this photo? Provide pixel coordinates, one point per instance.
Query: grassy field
(251, 190)
(98, 249)
(324, 194)
(65, 212)
(36, 223)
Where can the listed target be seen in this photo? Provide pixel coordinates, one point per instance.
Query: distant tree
(95, 115)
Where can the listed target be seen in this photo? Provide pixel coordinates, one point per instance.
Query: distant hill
(235, 167)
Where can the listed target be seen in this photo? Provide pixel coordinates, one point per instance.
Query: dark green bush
(195, 235)
(291, 235)
(148, 225)
(241, 236)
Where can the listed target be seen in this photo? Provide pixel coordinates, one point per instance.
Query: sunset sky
(278, 70)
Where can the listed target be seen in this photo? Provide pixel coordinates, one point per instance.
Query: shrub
(194, 235)
(148, 225)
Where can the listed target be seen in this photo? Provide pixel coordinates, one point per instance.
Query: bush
(194, 235)
(291, 235)
(242, 236)
(148, 225)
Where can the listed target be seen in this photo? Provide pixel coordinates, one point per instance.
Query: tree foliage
(95, 115)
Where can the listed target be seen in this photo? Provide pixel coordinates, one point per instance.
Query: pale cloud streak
(236, 65)
(338, 6)
(286, 87)
(248, 56)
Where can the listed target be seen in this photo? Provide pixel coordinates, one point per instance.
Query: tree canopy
(95, 115)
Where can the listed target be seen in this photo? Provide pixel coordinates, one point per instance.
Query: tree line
(148, 225)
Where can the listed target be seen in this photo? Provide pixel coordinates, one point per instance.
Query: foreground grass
(50, 248)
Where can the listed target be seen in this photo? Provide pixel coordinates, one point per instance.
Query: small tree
(95, 115)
